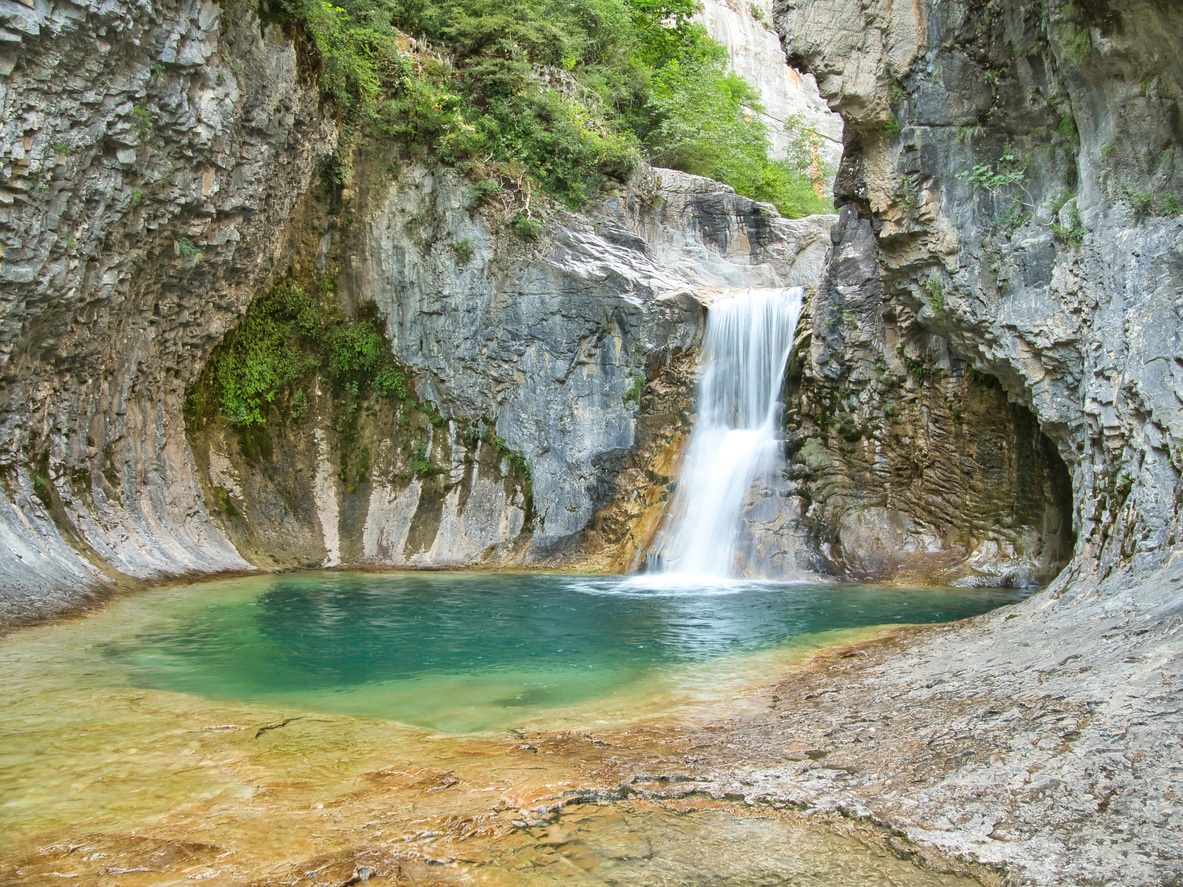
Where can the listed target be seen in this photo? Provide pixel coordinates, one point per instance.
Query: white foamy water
(736, 437)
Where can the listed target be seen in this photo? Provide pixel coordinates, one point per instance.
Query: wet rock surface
(908, 462)
(999, 741)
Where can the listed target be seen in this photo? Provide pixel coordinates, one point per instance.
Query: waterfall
(736, 437)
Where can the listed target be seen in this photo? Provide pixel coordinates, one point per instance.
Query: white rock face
(745, 29)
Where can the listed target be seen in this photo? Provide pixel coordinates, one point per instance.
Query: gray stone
(101, 327)
(1061, 282)
(545, 347)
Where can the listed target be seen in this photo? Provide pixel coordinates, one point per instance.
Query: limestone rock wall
(150, 153)
(1011, 184)
(544, 372)
(1040, 739)
(553, 344)
(158, 162)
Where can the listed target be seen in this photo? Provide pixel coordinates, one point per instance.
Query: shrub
(573, 92)
(936, 297)
(526, 228)
(286, 336)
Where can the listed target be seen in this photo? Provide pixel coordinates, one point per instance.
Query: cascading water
(736, 435)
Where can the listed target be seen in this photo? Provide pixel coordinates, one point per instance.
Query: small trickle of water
(736, 436)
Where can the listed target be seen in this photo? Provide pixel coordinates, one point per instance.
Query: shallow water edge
(142, 784)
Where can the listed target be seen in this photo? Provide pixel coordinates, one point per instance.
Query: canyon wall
(1011, 218)
(533, 364)
(792, 109)
(160, 171)
(1010, 223)
(182, 174)
(151, 155)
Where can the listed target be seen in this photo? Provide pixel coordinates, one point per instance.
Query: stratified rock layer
(1011, 214)
(172, 183)
(540, 362)
(1016, 166)
(151, 156)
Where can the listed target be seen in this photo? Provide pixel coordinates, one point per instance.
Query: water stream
(736, 437)
(343, 728)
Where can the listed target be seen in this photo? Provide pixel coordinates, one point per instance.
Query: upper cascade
(736, 439)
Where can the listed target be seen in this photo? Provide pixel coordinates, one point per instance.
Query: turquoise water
(463, 652)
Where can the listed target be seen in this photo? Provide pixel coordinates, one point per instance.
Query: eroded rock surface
(151, 156)
(552, 345)
(570, 358)
(170, 185)
(1016, 167)
(1010, 214)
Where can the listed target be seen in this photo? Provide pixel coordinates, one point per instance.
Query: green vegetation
(1005, 179)
(43, 489)
(286, 337)
(965, 133)
(1073, 36)
(633, 395)
(463, 251)
(936, 297)
(1071, 233)
(143, 121)
(1009, 171)
(918, 369)
(516, 460)
(225, 502)
(184, 248)
(562, 96)
(1147, 204)
(421, 461)
(525, 227)
(1068, 130)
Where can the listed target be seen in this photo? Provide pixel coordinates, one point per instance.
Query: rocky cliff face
(1011, 217)
(151, 155)
(172, 183)
(793, 110)
(1012, 214)
(537, 365)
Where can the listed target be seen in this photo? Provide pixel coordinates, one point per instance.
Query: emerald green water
(465, 652)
